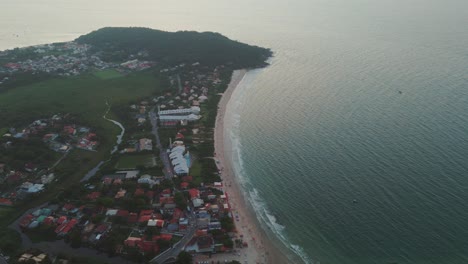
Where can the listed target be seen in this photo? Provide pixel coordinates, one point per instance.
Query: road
(168, 173)
(173, 252)
(162, 151)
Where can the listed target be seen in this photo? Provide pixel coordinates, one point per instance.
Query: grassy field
(196, 169)
(107, 74)
(3, 131)
(83, 95)
(133, 161)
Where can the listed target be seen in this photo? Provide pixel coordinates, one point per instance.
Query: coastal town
(160, 194)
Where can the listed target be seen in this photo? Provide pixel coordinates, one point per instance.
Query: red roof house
(139, 192)
(194, 193)
(132, 218)
(122, 213)
(93, 196)
(5, 201)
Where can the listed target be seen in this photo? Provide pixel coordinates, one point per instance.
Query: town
(159, 195)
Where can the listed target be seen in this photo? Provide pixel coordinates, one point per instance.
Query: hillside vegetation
(175, 47)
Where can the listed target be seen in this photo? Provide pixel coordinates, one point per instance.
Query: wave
(263, 214)
(266, 217)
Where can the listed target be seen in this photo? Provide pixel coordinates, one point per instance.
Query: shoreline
(261, 249)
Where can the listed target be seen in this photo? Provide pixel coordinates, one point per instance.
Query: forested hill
(175, 47)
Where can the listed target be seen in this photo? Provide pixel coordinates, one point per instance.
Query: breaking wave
(263, 214)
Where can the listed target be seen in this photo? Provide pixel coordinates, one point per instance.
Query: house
(102, 228)
(6, 202)
(61, 220)
(70, 130)
(183, 224)
(68, 207)
(194, 193)
(202, 223)
(130, 174)
(112, 212)
(93, 196)
(139, 192)
(156, 222)
(122, 213)
(132, 241)
(132, 218)
(29, 167)
(65, 228)
(197, 202)
(32, 187)
(200, 244)
(49, 137)
(26, 221)
(145, 144)
(30, 258)
(214, 225)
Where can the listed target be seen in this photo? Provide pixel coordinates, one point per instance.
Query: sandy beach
(260, 248)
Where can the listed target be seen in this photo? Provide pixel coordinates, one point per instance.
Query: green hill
(175, 47)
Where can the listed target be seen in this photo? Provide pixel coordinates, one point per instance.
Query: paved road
(173, 252)
(162, 151)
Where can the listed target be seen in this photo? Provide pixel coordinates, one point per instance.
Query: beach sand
(260, 248)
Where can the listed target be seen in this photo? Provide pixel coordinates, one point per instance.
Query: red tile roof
(139, 192)
(26, 220)
(122, 213)
(194, 193)
(49, 220)
(94, 195)
(132, 218)
(5, 201)
(166, 237)
(144, 218)
(69, 226)
(61, 220)
(146, 212)
(101, 228)
(132, 241)
(150, 194)
(68, 207)
(187, 178)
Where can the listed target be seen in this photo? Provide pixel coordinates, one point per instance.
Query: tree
(180, 200)
(184, 258)
(105, 201)
(75, 239)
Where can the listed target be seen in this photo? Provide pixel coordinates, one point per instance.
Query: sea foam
(264, 215)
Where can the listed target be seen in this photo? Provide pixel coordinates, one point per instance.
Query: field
(107, 74)
(134, 160)
(83, 95)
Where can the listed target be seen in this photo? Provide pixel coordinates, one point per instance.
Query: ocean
(353, 144)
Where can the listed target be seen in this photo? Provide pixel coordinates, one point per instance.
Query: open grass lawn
(107, 74)
(84, 95)
(196, 169)
(133, 161)
(3, 131)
